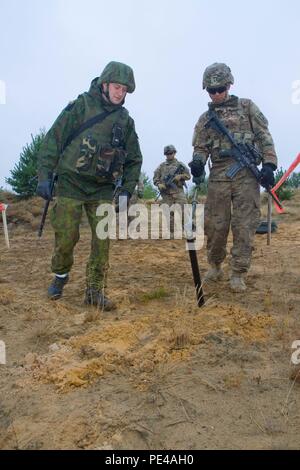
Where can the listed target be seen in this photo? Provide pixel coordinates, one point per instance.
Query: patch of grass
(43, 330)
(156, 294)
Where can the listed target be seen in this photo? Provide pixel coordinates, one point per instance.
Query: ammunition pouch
(104, 161)
(110, 162)
(252, 149)
(88, 149)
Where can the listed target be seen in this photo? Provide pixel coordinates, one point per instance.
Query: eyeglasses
(219, 89)
(170, 153)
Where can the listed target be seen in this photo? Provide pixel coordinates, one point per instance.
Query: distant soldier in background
(171, 188)
(233, 201)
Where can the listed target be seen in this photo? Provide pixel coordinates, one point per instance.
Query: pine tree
(149, 191)
(286, 191)
(23, 176)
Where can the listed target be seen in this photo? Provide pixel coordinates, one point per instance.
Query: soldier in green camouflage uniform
(231, 201)
(173, 194)
(88, 160)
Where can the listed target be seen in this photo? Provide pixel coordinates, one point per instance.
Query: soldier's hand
(179, 178)
(161, 186)
(267, 179)
(44, 189)
(197, 166)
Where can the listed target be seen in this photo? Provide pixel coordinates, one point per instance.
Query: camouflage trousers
(175, 198)
(235, 203)
(66, 217)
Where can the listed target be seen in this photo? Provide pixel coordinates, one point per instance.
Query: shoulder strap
(246, 104)
(86, 125)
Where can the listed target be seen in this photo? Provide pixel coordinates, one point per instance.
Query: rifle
(245, 155)
(169, 179)
(192, 253)
(116, 142)
(46, 206)
(118, 187)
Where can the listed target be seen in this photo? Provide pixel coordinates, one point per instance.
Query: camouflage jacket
(246, 122)
(167, 168)
(89, 165)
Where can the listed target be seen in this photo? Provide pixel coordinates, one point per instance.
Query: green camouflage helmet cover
(169, 149)
(216, 75)
(116, 72)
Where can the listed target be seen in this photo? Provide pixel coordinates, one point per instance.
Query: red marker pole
(282, 180)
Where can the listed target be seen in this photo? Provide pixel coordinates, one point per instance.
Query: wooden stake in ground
(3, 208)
(269, 219)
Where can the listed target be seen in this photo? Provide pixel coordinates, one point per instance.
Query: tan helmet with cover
(169, 149)
(216, 75)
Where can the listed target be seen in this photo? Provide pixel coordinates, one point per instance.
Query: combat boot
(97, 298)
(237, 283)
(214, 274)
(56, 287)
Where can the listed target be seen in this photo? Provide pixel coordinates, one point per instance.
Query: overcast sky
(51, 50)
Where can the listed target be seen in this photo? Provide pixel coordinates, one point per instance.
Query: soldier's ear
(104, 87)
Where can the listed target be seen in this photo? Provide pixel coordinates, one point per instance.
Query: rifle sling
(86, 125)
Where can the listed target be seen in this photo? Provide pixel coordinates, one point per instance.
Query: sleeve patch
(261, 118)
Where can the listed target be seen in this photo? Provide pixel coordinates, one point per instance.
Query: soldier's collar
(96, 92)
(232, 100)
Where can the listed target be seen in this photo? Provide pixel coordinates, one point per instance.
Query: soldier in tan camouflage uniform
(236, 201)
(91, 145)
(174, 193)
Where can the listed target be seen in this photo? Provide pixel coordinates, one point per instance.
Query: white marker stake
(5, 225)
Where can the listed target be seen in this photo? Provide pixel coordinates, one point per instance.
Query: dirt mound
(135, 347)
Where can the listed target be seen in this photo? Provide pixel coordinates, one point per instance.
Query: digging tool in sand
(190, 240)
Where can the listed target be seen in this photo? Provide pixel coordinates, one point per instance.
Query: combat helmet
(217, 74)
(169, 149)
(117, 72)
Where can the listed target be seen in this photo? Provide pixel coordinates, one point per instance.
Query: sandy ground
(157, 373)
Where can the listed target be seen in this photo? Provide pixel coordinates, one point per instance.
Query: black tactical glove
(267, 179)
(123, 203)
(197, 166)
(44, 188)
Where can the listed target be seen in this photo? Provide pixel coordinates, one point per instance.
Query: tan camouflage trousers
(235, 203)
(66, 217)
(175, 198)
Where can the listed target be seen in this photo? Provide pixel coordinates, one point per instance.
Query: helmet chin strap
(106, 93)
